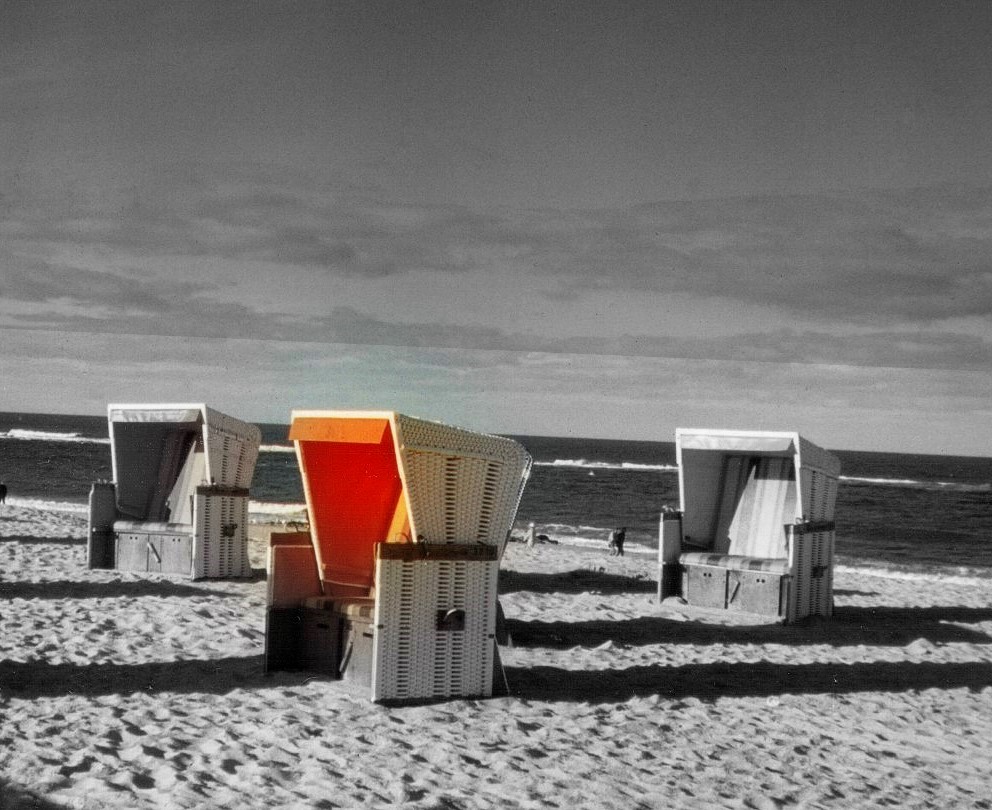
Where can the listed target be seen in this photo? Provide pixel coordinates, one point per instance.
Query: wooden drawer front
(704, 586)
(757, 592)
(176, 553)
(141, 551)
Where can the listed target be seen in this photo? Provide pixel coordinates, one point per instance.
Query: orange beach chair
(393, 587)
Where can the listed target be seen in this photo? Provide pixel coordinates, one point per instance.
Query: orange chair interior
(354, 494)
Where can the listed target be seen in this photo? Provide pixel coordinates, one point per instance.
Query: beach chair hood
(789, 478)
(162, 452)
(755, 533)
(381, 476)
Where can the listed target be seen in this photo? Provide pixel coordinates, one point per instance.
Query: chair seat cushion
(152, 527)
(736, 562)
(355, 608)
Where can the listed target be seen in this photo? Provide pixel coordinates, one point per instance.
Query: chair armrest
(292, 575)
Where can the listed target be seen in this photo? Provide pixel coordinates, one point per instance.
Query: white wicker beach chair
(179, 499)
(755, 532)
(408, 520)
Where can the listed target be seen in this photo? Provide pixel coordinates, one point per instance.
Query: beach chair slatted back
(462, 486)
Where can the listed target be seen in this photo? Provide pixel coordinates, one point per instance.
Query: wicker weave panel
(220, 542)
(232, 457)
(822, 583)
(813, 562)
(462, 486)
(414, 659)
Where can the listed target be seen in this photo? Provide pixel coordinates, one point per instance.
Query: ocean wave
(277, 448)
(909, 483)
(22, 434)
(606, 465)
(281, 511)
(917, 572)
(848, 480)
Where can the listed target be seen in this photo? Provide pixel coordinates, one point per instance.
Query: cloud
(514, 392)
(862, 257)
(867, 278)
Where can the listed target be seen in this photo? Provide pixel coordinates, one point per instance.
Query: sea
(906, 514)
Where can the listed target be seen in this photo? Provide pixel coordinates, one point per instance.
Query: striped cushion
(152, 527)
(736, 562)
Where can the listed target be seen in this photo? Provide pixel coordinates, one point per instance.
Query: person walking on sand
(612, 544)
(3, 493)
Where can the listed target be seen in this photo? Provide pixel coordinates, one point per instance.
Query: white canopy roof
(160, 451)
(786, 442)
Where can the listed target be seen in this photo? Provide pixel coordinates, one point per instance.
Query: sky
(589, 219)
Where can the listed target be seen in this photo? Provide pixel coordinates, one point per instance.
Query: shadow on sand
(578, 581)
(72, 589)
(35, 679)
(13, 797)
(876, 626)
(28, 540)
(711, 681)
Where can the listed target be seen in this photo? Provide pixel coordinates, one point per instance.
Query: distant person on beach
(617, 536)
(3, 493)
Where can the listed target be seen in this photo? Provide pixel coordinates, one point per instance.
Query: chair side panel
(435, 626)
(221, 539)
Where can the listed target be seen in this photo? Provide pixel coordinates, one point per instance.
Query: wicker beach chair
(394, 586)
(178, 503)
(755, 533)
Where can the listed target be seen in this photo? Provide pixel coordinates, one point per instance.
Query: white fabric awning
(739, 443)
(178, 414)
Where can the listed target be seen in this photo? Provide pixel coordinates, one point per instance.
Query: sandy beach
(120, 690)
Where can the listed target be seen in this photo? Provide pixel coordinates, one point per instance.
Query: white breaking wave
(281, 511)
(606, 465)
(909, 483)
(22, 434)
(276, 448)
(945, 576)
(269, 512)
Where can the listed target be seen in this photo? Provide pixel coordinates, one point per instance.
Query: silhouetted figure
(617, 536)
(621, 536)
(3, 493)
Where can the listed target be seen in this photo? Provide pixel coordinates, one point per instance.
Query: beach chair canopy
(161, 453)
(738, 488)
(379, 476)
